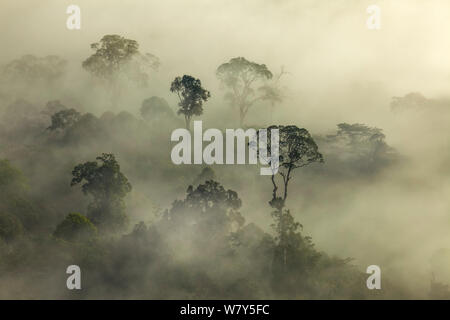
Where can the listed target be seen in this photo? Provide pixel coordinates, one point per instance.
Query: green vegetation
(141, 227)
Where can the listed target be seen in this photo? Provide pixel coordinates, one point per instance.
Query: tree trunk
(241, 117)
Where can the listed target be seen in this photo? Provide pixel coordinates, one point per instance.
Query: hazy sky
(325, 45)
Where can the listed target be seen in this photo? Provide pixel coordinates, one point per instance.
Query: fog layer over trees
(86, 176)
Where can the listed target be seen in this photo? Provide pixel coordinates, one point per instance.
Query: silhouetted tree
(191, 95)
(296, 150)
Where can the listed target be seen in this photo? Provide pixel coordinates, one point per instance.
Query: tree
(108, 186)
(87, 128)
(64, 119)
(366, 140)
(209, 210)
(191, 95)
(297, 149)
(357, 148)
(115, 55)
(293, 253)
(411, 101)
(75, 228)
(239, 75)
(155, 108)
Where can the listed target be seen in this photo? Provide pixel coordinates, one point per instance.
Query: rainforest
(90, 99)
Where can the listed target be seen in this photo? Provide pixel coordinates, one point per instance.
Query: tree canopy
(191, 95)
(297, 149)
(155, 108)
(31, 69)
(64, 119)
(74, 228)
(103, 180)
(116, 55)
(240, 77)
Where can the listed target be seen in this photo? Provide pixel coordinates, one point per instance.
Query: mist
(378, 204)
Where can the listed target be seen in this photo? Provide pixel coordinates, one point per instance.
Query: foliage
(64, 119)
(32, 69)
(240, 75)
(12, 181)
(411, 101)
(18, 209)
(115, 54)
(108, 186)
(293, 252)
(10, 227)
(209, 198)
(296, 149)
(191, 95)
(201, 246)
(206, 219)
(155, 108)
(74, 228)
(357, 148)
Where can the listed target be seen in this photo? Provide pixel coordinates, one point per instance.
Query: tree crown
(241, 72)
(191, 95)
(104, 180)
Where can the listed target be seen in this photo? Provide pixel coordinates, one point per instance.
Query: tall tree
(115, 56)
(296, 150)
(240, 77)
(108, 187)
(191, 95)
